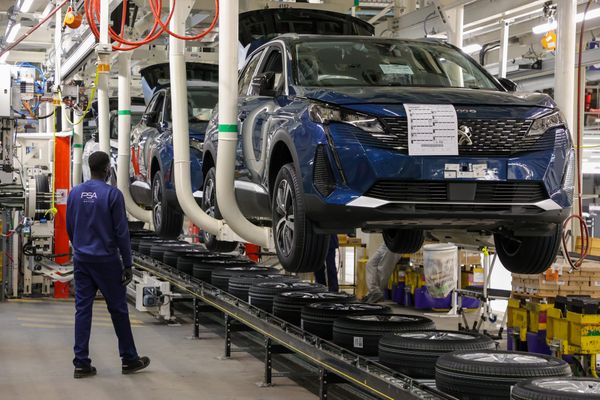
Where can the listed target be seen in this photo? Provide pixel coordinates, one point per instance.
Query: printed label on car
(432, 129)
(466, 170)
(396, 69)
(358, 342)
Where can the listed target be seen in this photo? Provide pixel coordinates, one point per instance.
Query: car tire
(361, 333)
(298, 247)
(489, 374)
(318, 318)
(168, 223)
(414, 353)
(220, 277)
(557, 389)
(403, 241)
(288, 305)
(528, 254)
(240, 285)
(211, 207)
(261, 295)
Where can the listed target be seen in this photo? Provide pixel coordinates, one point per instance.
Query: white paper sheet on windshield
(432, 129)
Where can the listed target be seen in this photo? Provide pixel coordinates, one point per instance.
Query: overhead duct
(124, 153)
(181, 139)
(228, 128)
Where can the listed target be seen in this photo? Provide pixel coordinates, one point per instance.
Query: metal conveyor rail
(331, 359)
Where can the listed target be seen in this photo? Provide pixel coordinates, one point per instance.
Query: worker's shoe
(84, 372)
(374, 297)
(129, 367)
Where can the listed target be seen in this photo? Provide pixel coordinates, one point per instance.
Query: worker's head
(99, 165)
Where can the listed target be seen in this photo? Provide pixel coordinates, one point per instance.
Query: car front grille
(489, 137)
(447, 191)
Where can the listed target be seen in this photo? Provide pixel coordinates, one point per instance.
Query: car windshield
(201, 103)
(386, 63)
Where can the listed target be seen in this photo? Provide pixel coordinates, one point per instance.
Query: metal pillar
(4, 246)
(227, 354)
(325, 379)
(271, 349)
(456, 19)
(564, 72)
(503, 60)
(77, 149)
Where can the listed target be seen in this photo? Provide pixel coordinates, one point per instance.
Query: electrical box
(5, 91)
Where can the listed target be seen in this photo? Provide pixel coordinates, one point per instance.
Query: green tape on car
(228, 128)
(124, 112)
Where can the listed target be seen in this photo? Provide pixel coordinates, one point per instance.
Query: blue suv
(403, 137)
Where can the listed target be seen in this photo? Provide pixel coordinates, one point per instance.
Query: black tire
(528, 255)
(403, 241)
(318, 318)
(42, 186)
(414, 353)
(489, 374)
(261, 295)
(211, 207)
(168, 222)
(220, 277)
(557, 389)
(288, 305)
(204, 265)
(240, 285)
(361, 333)
(298, 247)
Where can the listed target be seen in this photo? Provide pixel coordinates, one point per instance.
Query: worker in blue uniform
(328, 275)
(99, 233)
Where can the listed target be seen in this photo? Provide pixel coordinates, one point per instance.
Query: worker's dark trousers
(332, 279)
(89, 277)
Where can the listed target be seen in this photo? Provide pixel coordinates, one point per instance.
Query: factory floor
(36, 340)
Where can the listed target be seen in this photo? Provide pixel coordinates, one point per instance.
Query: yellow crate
(584, 332)
(557, 328)
(538, 316)
(517, 318)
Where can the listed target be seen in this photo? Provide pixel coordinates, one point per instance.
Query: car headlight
(541, 125)
(324, 114)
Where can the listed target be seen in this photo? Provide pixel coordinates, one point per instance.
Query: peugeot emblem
(464, 136)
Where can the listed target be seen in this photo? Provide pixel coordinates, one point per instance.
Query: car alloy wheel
(284, 230)
(157, 202)
(208, 196)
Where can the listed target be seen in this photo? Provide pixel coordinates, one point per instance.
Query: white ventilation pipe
(77, 149)
(181, 138)
(103, 49)
(124, 153)
(228, 128)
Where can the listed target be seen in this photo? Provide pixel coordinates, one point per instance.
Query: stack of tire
(144, 248)
(361, 333)
(240, 285)
(220, 277)
(490, 374)
(261, 295)
(557, 389)
(318, 318)
(288, 305)
(415, 353)
(137, 240)
(171, 256)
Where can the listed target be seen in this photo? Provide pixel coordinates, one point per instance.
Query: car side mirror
(263, 85)
(149, 118)
(509, 85)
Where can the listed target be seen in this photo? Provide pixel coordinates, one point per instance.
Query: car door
(144, 135)
(255, 113)
(257, 108)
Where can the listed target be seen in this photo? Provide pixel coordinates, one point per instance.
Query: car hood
(347, 96)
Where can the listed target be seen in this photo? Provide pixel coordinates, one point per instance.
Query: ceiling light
(591, 14)
(12, 35)
(26, 6)
(47, 10)
(471, 48)
(543, 28)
